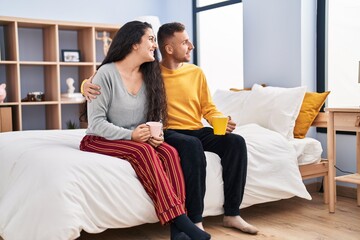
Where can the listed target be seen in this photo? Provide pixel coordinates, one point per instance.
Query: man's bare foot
(200, 225)
(239, 223)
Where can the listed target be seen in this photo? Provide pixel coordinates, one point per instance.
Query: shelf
(39, 103)
(99, 43)
(70, 112)
(72, 101)
(7, 62)
(9, 104)
(10, 76)
(76, 64)
(37, 63)
(350, 178)
(8, 31)
(31, 61)
(37, 43)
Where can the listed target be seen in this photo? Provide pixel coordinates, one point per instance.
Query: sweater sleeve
(208, 108)
(98, 109)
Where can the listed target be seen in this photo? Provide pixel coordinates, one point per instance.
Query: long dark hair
(128, 35)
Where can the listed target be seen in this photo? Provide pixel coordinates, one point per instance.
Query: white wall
(109, 11)
(279, 42)
(178, 11)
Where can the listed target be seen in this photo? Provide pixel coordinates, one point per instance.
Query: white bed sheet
(308, 150)
(49, 189)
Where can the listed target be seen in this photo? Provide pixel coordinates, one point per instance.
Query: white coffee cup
(155, 129)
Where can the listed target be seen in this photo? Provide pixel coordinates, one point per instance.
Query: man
(189, 100)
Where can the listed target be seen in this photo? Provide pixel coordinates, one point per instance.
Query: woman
(132, 94)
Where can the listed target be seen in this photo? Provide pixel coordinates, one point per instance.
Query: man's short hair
(166, 31)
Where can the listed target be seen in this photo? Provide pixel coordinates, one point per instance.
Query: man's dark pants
(232, 151)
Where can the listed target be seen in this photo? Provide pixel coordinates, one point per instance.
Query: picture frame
(69, 55)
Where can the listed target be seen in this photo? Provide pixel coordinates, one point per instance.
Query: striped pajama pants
(158, 170)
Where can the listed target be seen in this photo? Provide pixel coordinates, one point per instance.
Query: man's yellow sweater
(188, 97)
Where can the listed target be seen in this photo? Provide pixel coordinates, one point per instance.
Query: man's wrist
(82, 86)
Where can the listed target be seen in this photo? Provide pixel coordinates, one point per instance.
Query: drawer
(5, 119)
(347, 121)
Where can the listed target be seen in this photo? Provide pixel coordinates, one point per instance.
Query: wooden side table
(343, 119)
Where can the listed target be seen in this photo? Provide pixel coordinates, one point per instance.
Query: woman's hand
(141, 133)
(156, 141)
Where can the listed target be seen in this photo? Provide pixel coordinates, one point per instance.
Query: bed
(49, 189)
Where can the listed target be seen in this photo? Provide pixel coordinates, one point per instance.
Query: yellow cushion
(244, 89)
(310, 108)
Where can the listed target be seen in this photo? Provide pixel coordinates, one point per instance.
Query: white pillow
(230, 103)
(274, 108)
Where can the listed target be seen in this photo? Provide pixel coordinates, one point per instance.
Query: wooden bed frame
(322, 169)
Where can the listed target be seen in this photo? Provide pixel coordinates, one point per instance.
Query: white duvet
(49, 189)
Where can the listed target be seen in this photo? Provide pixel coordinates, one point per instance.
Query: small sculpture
(106, 40)
(70, 84)
(71, 95)
(2, 92)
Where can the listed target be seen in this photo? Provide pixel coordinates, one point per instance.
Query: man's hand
(230, 126)
(90, 90)
(141, 133)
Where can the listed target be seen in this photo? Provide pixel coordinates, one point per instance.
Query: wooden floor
(289, 219)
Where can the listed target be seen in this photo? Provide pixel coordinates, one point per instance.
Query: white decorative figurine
(2, 92)
(70, 84)
(71, 95)
(106, 40)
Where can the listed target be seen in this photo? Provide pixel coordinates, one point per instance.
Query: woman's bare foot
(239, 223)
(200, 225)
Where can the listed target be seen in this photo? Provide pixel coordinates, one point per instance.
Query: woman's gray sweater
(115, 112)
